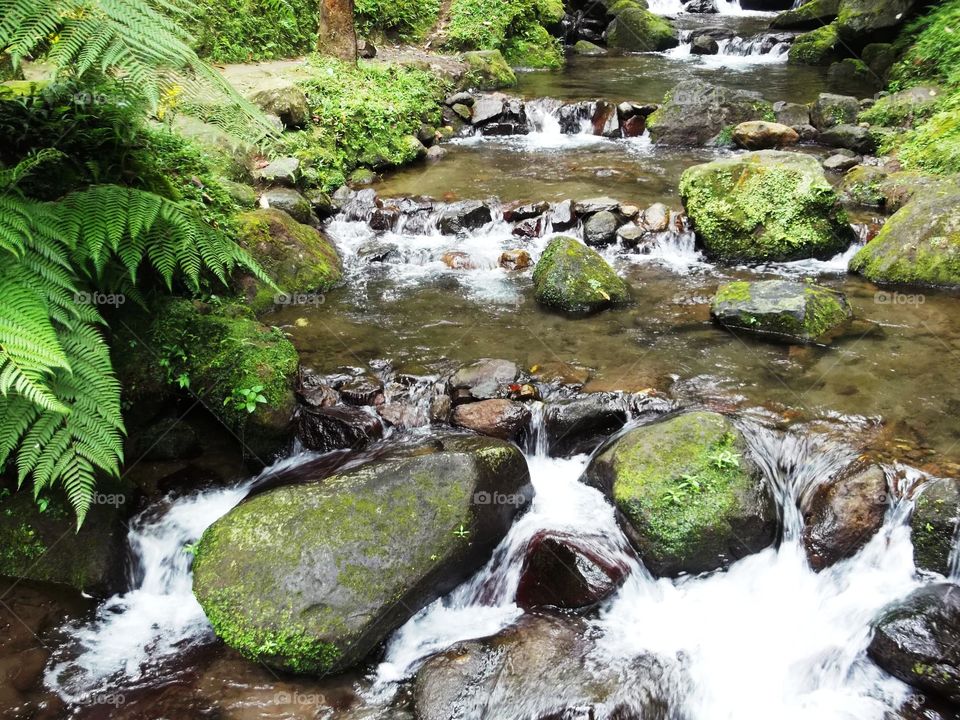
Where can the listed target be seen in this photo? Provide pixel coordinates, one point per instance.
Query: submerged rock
(918, 641)
(504, 419)
(919, 244)
(587, 48)
(781, 309)
(844, 514)
(695, 112)
(765, 206)
(762, 135)
(310, 578)
(933, 525)
(688, 496)
(576, 279)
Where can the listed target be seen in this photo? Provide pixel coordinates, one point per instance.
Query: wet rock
(487, 108)
(384, 219)
(628, 212)
(656, 218)
(844, 514)
(529, 228)
(841, 163)
(334, 428)
(290, 201)
(791, 311)
(564, 572)
(863, 21)
(762, 135)
(280, 171)
(487, 70)
(704, 45)
(460, 98)
(562, 216)
(919, 244)
(436, 153)
(899, 188)
(311, 577)
(362, 177)
(934, 524)
(465, 215)
(605, 120)
(576, 279)
(456, 260)
(440, 408)
(688, 496)
(860, 186)
(636, 29)
(701, 6)
(918, 641)
(288, 103)
(464, 112)
(588, 49)
(634, 126)
(556, 372)
(586, 208)
(695, 112)
(819, 47)
(601, 229)
(766, 205)
(503, 419)
(485, 379)
(808, 16)
(517, 212)
(831, 110)
(852, 137)
(515, 260)
(315, 392)
(362, 390)
(634, 237)
(376, 251)
(403, 415)
(541, 664)
(791, 114)
(582, 423)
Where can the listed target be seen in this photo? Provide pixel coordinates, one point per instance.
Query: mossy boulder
(918, 245)
(765, 206)
(298, 258)
(905, 108)
(287, 102)
(487, 70)
(934, 524)
(585, 47)
(688, 496)
(863, 21)
(781, 309)
(817, 47)
(636, 29)
(809, 16)
(899, 188)
(576, 279)
(311, 577)
(860, 186)
(535, 48)
(694, 113)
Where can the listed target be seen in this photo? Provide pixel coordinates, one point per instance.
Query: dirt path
(437, 36)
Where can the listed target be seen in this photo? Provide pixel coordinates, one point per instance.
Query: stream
(768, 638)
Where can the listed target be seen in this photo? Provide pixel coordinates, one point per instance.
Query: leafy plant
(246, 398)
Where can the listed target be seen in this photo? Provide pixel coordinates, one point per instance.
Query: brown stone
(502, 419)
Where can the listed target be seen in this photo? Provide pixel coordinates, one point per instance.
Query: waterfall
(675, 7)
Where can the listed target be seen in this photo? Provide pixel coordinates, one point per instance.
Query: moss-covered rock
(934, 524)
(781, 309)
(535, 48)
(298, 258)
(899, 188)
(919, 244)
(287, 102)
(694, 113)
(689, 497)
(817, 47)
(809, 16)
(311, 577)
(905, 108)
(487, 70)
(860, 187)
(585, 47)
(576, 279)
(860, 21)
(764, 206)
(638, 30)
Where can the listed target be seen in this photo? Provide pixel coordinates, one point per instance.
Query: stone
(588, 49)
(821, 47)
(701, 6)
(592, 206)
(852, 137)
(529, 228)
(656, 218)
(377, 251)
(311, 577)
(808, 16)
(601, 229)
(704, 45)
(515, 260)
(436, 153)
(919, 244)
(933, 524)
(905, 108)
(695, 112)
(638, 30)
(290, 201)
(366, 49)
(688, 496)
(280, 171)
(583, 422)
(484, 379)
(465, 215)
(830, 110)
(605, 120)
(844, 514)
(841, 163)
(762, 135)
(504, 419)
(456, 260)
(862, 21)
(763, 206)
(517, 211)
(362, 177)
(575, 279)
(860, 187)
(335, 428)
(791, 114)
(289, 103)
(487, 70)
(786, 310)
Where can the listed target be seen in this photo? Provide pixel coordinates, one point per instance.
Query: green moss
(862, 186)
(401, 19)
(534, 48)
(639, 30)
(811, 14)
(574, 278)
(776, 308)
(487, 70)
(515, 27)
(733, 292)
(817, 47)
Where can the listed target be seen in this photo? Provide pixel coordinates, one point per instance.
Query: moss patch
(639, 30)
(518, 28)
(817, 47)
(576, 279)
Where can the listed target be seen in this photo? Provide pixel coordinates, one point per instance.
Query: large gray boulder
(695, 112)
(863, 21)
(311, 577)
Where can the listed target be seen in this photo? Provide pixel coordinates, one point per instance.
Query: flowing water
(768, 637)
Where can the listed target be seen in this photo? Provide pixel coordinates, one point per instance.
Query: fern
(140, 41)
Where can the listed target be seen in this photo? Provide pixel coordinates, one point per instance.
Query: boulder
(542, 664)
(860, 187)
(587, 48)
(701, 6)
(695, 112)
(563, 571)
(688, 495)
(562, 216)
(639, 30)
(339, 427)
(918, 641)
(311, 577)
(280, 171)
(841, 163)
(656, 218)
(704, 45)
(763, 206)
(581, 423)
(298, 258)
(290, 201)
(863, 21)
(465, 215)
(934, 524)
(852, 137)
(487, 70)
(504, 419)
(762, 135)
(830, 110)
(592, 206)
(899, 188)
(601, 229)
(817, 47)
(791, 114)
(919, 244)
(809, 16)
(288, 103)
(517, 211)
(844, 514)
(484, 379)
(575, 279)
(791, 311)
(905, 108)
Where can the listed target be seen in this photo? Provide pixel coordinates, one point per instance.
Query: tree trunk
(338, 36)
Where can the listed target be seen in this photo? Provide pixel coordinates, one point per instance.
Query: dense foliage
(246, 30)
(516, 27)
(405, 19)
